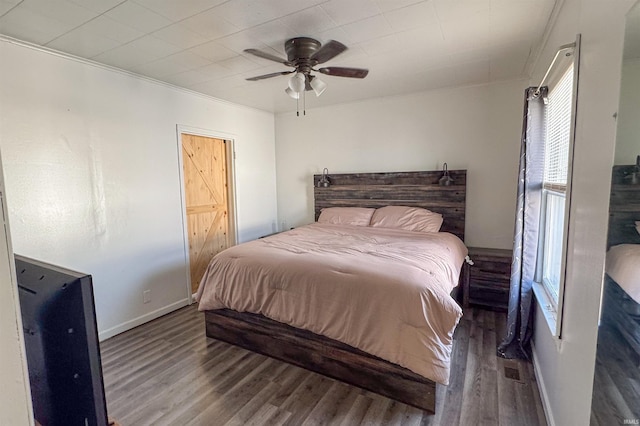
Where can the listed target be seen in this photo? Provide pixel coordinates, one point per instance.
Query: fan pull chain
(304, 102)
(298, 106)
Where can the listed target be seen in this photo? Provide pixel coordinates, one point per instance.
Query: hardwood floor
(167, 372)
(616, 384)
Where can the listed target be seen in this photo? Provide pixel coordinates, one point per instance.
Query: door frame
(231, 191)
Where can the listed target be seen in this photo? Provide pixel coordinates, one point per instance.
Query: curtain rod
(555, 58)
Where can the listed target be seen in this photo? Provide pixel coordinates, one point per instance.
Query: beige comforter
(384, 291)
(623, 265)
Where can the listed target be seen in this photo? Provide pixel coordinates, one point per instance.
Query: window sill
(547, 307)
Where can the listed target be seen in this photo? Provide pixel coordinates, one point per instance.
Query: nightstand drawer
(488, 281)
(498, 267)
(489, 296)
(500, 280)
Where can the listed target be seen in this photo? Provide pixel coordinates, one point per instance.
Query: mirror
(616, 387)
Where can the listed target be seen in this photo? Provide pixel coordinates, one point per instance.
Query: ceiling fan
(303, 54)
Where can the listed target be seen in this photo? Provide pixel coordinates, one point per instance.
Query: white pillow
(638, 226)
(407, 218)
(355, 216)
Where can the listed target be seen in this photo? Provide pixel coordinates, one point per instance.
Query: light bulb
(291, 93)
(318, 86)
(297, 82)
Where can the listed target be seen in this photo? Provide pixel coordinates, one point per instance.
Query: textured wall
(92, 173)
(475, 128)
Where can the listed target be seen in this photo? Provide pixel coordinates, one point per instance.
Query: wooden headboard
(624, 207)
(415, 189)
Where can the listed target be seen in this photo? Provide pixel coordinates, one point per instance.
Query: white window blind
(556, 166)
(558, 130)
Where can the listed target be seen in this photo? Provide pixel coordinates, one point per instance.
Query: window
(557, 121)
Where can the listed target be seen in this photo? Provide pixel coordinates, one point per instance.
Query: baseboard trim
(103, 335)
(542, 388)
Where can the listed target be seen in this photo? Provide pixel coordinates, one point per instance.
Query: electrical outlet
(146, 296)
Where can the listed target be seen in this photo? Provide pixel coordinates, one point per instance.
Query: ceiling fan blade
(273, 74)
(345, 72)
(329, 51)
(268, 56)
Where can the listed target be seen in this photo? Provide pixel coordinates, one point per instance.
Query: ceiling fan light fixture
(294, 95)
(297, 82)
(318, 86)
(303, 54)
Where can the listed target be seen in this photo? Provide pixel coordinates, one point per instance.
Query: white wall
(628, 133)
(475, 128)
(92, 175)
(15, 398)
(565, 368)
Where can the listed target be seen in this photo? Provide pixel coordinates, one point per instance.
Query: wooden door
(204, 163)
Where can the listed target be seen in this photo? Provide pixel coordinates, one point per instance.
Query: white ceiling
(408, 45)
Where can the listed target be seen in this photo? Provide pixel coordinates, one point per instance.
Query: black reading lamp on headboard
(324, 179)
(445, 180)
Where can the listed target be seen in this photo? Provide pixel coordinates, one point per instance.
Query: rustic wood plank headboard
(624, 207)
(415, 189)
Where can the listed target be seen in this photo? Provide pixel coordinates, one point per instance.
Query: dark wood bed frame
(619, 310)
(624, 207)
(327, 356)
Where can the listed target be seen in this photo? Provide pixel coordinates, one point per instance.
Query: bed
(621, 300)
(401, 353)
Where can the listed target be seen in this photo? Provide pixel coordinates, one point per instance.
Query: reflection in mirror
(616, 386)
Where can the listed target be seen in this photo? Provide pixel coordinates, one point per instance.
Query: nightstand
(487, 282)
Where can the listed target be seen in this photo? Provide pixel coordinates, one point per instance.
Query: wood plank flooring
(167, 372)
(616, 384)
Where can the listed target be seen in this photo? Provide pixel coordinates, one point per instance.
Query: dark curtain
(517, 342)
